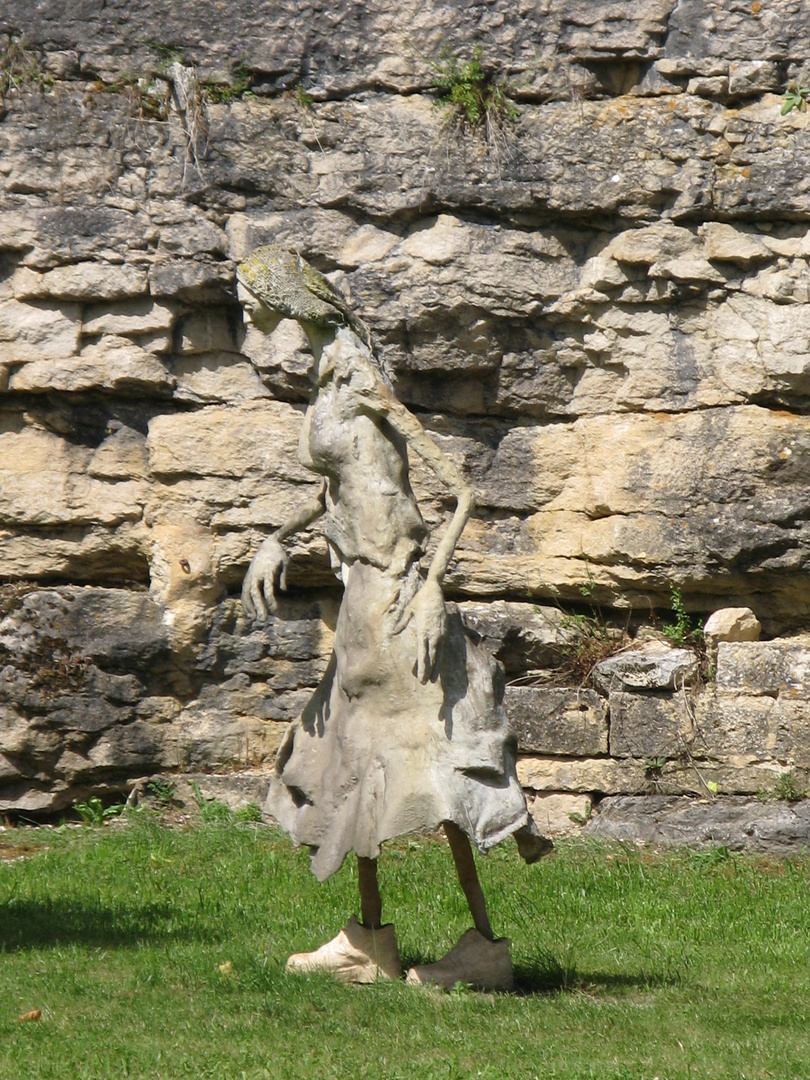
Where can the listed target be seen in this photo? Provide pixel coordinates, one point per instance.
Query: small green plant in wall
(795, 97)
(680, 632)
(475, 99)
(224, 93)
(94, 812)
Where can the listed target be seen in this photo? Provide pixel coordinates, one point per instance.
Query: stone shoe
(475, 961)
(356, 955)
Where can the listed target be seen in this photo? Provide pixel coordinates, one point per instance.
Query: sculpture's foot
(356, 955)
(474, 961)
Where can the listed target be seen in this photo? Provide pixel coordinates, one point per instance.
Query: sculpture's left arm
(418, 439)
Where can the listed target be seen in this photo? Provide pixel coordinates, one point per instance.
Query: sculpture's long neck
(318, 336)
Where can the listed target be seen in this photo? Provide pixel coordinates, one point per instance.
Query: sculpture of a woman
(406, 731)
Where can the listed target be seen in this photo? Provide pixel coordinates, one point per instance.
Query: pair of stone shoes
(361, 955)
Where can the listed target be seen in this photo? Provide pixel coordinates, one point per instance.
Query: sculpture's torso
(371, 511)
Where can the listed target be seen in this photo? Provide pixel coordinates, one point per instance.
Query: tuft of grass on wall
(476, 101)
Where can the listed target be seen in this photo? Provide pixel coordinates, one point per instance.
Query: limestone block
(62, 64)
(191, 238)
(216, 377)
(732, 624)
(686, 268)
(120, 456)
(522, 636)
(765, 667)
(87, 282)
(558, 721)
(18, 229)
(367, 244)
(560, 815)
(649, 725)
(81, 230)
(196, 281)
(234, 789)
(209, 330)
(257, 437)
(651, 666)
(708, 86)
(27, 796)
(603, 775)
(440, 243)
(105, 555)
(113, 364)
(652, 243)
(739, 774)
(118, 629)
(649, 502)
(138, 747)
(304, 228)
(783, 286)
(760, 726)
(778, 356)
(44, 481)
(36, 331)
(750, 77)
(227, 732)
(603, 273)
(27, 747)
(736, 774)
(374, 46)
(727, 243)
(733, 822)
(141, 316)
(300, 636)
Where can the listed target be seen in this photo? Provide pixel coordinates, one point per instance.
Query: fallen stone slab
(654, 666)
(738, 823)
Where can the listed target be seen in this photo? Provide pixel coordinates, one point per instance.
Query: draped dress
(376, 753)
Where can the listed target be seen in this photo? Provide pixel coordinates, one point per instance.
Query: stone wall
(601, 314)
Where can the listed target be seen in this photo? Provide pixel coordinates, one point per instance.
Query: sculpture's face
(263, 318)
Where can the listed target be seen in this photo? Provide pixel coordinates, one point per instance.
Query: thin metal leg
(370, 901)
(468, 877)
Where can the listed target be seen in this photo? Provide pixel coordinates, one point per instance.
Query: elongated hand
(430, 619)
(266, 573)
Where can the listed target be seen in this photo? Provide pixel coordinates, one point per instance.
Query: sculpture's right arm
(268, 569)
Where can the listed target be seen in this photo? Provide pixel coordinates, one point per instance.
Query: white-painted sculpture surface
(406, 731)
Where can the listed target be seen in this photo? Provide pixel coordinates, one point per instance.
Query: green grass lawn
(156, 952)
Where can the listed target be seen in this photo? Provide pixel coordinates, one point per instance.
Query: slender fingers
(247, 603)
(257, 598)
(423, 660)
(433, 641)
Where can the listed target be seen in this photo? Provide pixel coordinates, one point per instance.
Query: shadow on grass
(544, 974)
(29, 924)
(550, 977)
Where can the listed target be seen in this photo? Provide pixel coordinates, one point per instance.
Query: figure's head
(274, 279)
(274, 283)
